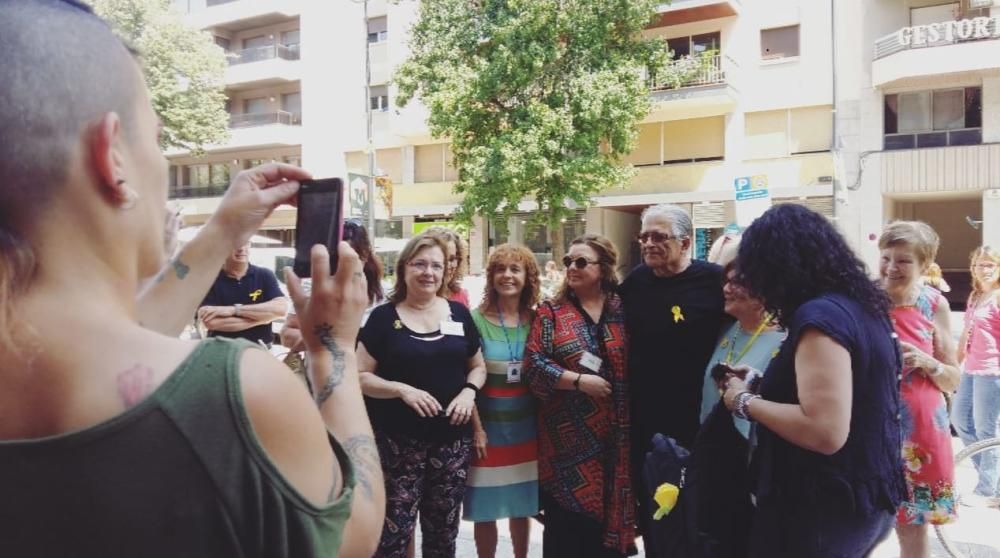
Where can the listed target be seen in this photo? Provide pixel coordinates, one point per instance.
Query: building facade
(865, 110)
(918, 118)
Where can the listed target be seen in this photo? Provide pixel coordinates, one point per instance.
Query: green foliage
(183, 69)
(540, 98)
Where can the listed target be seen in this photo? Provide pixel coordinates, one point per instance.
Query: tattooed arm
(167, 303)
(330, 317)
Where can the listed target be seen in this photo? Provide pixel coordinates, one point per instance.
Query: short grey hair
(680, 220)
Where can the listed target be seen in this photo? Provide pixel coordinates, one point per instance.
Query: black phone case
(329, 226)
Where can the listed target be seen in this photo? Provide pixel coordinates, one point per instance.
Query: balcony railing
(251, 119)
(186, 192)
(690, 71)
(267, 52)
(937, 34)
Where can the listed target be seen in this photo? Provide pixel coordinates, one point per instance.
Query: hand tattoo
(325, 334)
(135, 384)
(364, 457)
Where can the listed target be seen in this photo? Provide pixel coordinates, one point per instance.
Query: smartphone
(319, 221)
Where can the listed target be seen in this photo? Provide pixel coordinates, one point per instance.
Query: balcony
(192, 192)
(263, 66)
(912, 53)
(699, 86)
(967, 168)
(266, 129)
(679, 12)
(238, 15)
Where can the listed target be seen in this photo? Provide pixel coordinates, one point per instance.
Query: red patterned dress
(927, 454)
(583, 443)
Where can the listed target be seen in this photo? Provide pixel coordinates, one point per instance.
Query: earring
(131, 196)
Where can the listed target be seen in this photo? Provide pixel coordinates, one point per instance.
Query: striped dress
(505, 484)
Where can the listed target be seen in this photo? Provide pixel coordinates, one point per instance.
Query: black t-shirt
(673, 324)
(257, 286)
(433, 362)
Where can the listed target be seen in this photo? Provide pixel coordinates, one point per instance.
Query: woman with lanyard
(503, 480)
(575, 364)
(752, 340)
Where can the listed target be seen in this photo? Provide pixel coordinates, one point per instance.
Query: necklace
(753, 338)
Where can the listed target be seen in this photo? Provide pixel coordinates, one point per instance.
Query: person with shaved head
(116, 437)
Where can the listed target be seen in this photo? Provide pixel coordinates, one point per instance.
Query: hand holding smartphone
(319, 220)
(751, 376)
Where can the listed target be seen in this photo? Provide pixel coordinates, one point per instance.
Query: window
(219, 175)
(780, 42)
(378, 29)
(258, 41)
(172, 177)
(196, 176)
(292, 103)
(296, 160)
(257, 105)
(933, 118)
(695, 44)
(378, 98)
(290, 38)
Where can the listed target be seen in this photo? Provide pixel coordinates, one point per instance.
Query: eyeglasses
(580, 262)
(986, 266)
(422, 266)
(656, 237)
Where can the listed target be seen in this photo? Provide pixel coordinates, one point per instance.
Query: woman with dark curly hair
(828, 470)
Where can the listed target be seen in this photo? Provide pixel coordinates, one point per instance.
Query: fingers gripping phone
(319, 221)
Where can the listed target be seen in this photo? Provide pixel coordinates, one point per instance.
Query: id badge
(591, 362)
(513, 372)
(452, 328)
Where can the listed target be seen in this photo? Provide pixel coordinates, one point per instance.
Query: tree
(540, 98)
(183, 68)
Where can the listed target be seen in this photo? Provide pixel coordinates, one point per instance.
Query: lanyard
(517, 334)
(753, 338)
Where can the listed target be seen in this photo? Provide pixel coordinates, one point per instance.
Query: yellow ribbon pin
(256, 294)
(397, 324)
(678, 317)
(666, 497)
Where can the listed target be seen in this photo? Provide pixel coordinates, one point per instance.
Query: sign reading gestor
(949, 31)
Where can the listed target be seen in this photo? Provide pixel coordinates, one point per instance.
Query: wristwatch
(236, 309)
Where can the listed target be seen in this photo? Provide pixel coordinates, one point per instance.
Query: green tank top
(179, 474)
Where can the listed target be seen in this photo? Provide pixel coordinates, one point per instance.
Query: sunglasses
(656, 237)
(580, 262)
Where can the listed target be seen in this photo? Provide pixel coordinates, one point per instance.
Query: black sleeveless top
(866, 475)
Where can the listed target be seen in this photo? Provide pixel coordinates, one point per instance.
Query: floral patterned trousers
(424, 477)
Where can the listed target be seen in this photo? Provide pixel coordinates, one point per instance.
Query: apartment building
(760, 107)
(919, 121)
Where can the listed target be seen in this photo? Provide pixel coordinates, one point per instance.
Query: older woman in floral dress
(920, 316)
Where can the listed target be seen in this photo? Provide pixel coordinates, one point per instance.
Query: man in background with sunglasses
(673, 315)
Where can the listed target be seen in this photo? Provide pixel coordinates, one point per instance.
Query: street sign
(751, 195)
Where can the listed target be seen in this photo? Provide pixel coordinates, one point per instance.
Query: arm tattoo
(135, 384)
(364, 457)
(325, 334)
(180, 268)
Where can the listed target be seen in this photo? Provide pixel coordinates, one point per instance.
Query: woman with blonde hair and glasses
(456, 268)
(421, 367)
(503, 480)
(575, 364)
(977, 405)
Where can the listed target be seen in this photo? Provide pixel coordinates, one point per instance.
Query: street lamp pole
(369, 140)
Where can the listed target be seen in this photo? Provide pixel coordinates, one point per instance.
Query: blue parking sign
(742, 183)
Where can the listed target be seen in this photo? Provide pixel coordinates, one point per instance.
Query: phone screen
(318, 221)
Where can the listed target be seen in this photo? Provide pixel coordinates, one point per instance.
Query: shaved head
(62, 69)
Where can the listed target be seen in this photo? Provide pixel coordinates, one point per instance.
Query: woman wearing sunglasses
(575, 364)
(421, 368)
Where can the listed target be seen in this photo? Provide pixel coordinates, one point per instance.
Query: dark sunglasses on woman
(580, 262)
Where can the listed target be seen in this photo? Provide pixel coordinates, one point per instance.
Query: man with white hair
(674, 313)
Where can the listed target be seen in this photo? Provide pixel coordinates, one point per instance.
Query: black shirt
(433, 362)
(257, 286)
(673, 324)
